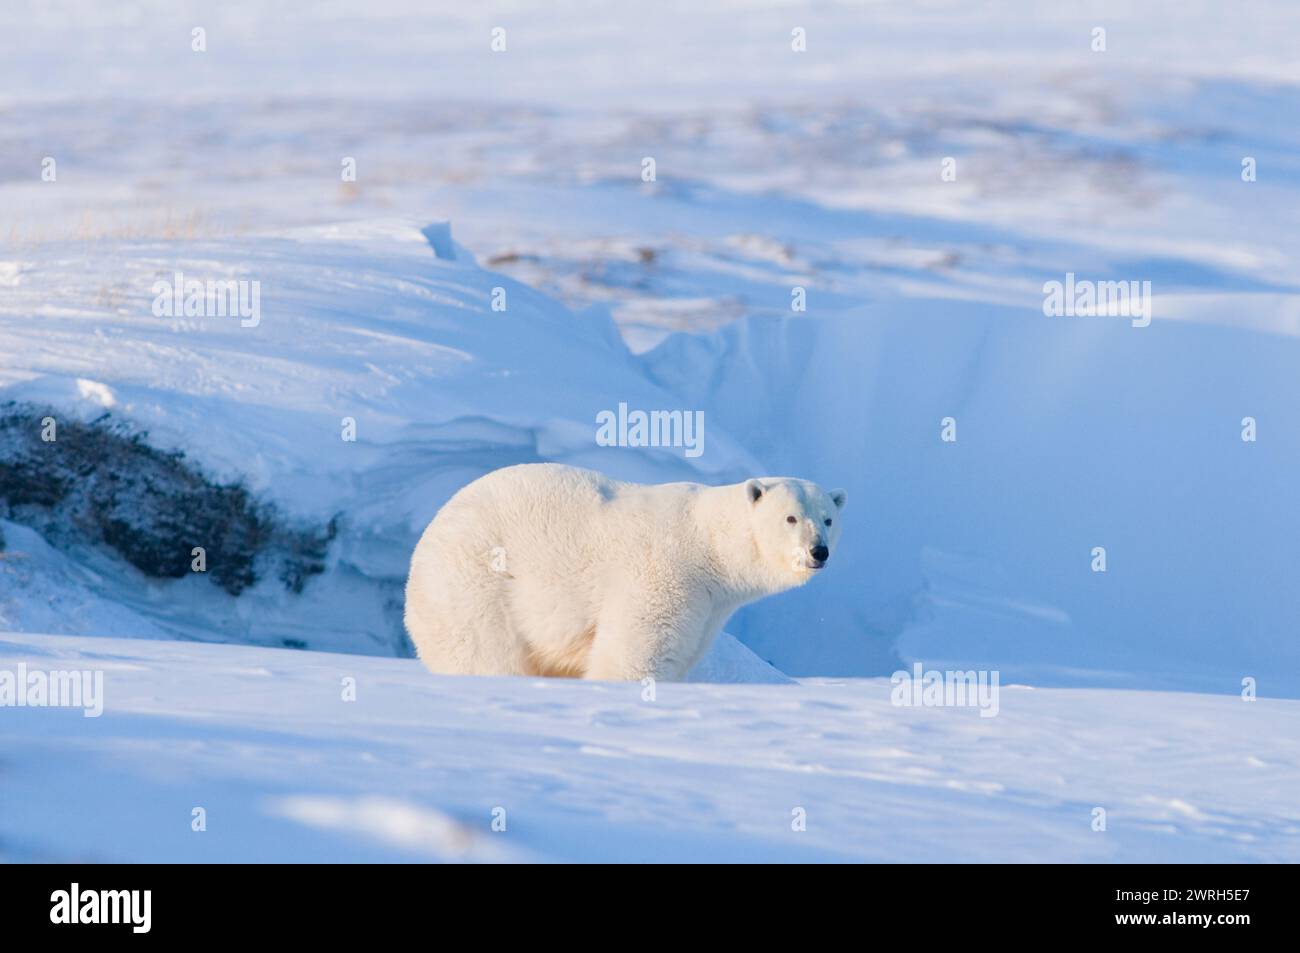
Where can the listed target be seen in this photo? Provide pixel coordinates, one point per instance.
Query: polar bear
(544, 569)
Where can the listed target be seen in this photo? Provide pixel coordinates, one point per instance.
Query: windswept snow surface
(418, 767)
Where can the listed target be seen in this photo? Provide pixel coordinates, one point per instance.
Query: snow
(1071, 433)
(415, 767)
(521, 172)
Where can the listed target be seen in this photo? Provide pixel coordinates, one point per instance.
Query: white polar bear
(543, 569)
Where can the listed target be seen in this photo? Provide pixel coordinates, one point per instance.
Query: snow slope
(415, 767)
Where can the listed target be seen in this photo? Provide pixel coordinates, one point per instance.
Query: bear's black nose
(820, 553)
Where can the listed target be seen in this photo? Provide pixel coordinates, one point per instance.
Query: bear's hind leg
(458, 618)
(571, 662)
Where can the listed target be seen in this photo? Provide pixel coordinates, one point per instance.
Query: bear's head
(796, 525)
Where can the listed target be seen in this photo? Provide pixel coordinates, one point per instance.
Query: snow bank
(385, 329)
(1072, 433)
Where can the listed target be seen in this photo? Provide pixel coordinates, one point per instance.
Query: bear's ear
(838, 497)
(753, 490)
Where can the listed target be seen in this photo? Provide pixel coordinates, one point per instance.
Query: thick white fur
(542, 569)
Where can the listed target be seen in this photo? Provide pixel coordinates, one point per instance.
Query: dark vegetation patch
(101, 482)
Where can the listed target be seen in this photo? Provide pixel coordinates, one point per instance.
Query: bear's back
(575, 514)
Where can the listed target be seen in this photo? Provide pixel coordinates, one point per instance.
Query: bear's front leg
(650, 640)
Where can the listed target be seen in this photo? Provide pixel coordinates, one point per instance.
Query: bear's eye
(828, 521)
(791, 519)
